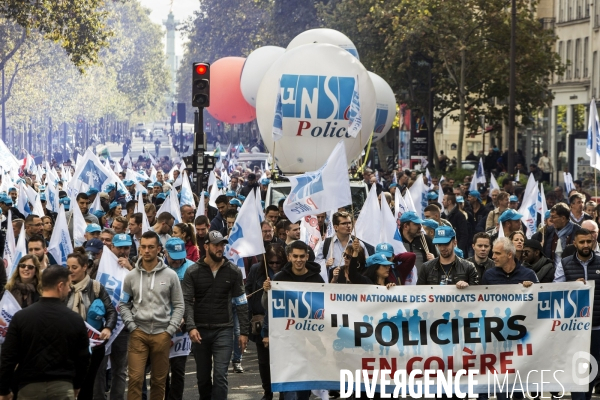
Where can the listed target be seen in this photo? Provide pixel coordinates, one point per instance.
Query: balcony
(548, 23)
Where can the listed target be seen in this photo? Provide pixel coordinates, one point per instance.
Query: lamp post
(512, 88)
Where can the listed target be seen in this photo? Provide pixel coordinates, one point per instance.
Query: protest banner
(180, 345)
(93, 335)
(8, 309)
(316, 331)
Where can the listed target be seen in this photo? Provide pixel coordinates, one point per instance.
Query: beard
(214, 256)
(584, 252)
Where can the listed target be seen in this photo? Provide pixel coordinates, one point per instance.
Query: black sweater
(44, 342)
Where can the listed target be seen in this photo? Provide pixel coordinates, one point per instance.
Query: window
(562, 57)
(595, 74)
(561, 10)
(587, 8)
(568, 57)
(585, 57)
(579, 10)
(577, 59)
(569, 10)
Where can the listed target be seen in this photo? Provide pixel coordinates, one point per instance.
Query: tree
(465, 44)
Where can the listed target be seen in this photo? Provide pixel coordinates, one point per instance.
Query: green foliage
(131, 77)
(466, 45)
(78, 26)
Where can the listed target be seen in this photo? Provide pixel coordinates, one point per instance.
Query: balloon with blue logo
(255, 67)
(324, 35)
(386, 106)
(315, 83)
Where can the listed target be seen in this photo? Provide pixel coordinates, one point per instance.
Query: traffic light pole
(199, 148)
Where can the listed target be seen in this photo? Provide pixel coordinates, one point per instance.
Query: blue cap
(377, 259)
(99, 214)
(65, 201)
(94, 246)
(220, 184)
(430, 223)
(510, 215)
(157, 184)
(6, 200)
(42, 196)
(459, 252)
(112, 205)
(513, 199)
(411, 216)
(476, 194)
(128, 182)
(265, 181)
(393, 185)
(386, 249)
(206, 194)
(141, 191)
(92, 191)
(443, 235)
(93, 228)
(121, 240)
(176, 248)
(432, 196)
(230, 193)
(109, 188)
(42, 187)
(235, 202)
(161, 196)
(460, 199)
(242, 198)
(547, 215)
(12, 189)
(150, 185)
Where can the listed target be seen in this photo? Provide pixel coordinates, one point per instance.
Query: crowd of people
(179, 280)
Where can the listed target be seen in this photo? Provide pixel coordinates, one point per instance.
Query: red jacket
(192, 251)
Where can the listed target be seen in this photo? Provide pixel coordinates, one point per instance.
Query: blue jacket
(181, 270)
(496, 276)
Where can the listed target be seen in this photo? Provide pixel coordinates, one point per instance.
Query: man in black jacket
(49, 363)
(458, 221)
(583, 266)
(447, 269)
(481, 249)
(209, 288)
(219, 223)
(534, 259)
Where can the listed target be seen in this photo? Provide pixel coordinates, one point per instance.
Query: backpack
(327, 244)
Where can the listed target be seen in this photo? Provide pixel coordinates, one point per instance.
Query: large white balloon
(317, 81)
(386, 106)
(324, 35)
(255, 67)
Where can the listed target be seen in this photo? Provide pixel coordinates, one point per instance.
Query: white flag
(200, 210)
(79, 225)
(569, 185)
(278, 118)
(493, 183)
(52, 195)
(245, 238)
(171, 205)
(529, 210)
(418, 193)
(96, 205)
(187, 197)
(214, 192)
(389, 230)
(9, 246)
(355, 117)
(592, 148)
(325, 189)
(368, 224)
(478, 176)
(60, 242)
(8, 309)
(139, 208)
(501, 230)
(541, 205)
(111, 275)
(20, 251)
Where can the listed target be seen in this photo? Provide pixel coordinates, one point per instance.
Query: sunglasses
(274, 263)
(347, 256)
(26, 266)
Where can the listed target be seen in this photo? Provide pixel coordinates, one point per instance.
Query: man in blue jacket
(508, 270)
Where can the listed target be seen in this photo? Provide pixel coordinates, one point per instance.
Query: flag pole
(273, 163)
(362, 167)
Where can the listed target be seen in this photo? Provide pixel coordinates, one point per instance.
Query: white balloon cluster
(315, 77)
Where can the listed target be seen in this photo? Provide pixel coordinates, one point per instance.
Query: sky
(182, 9)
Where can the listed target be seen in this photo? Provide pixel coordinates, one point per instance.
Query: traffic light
(201, 85)
(173, 115)
(181, 113)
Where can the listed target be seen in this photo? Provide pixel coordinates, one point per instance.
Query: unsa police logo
(441, 232)
(177, 247)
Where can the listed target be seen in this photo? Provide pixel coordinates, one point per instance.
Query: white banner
(180, 345)
(111, 276)
(93, 335)
(8, 309)
(315, 331)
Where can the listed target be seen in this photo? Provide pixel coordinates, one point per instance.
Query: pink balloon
(227, 103)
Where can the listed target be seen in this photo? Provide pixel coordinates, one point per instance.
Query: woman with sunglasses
(275, 258)
(25, 284)
(83, 293)
(342, 274)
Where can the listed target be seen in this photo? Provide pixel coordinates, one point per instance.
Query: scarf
(23, 293)
(78, 306)
(564, 232)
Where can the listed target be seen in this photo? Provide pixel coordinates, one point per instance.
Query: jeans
(175, 385)
(299, 395)
(118, 368)
(87, 387)
(264, 367)
(212, 354)
(53, 390)
(237, 351)
(595, 352)
(141, 347)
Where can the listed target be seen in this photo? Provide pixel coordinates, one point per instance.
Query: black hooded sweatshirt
(312, 275)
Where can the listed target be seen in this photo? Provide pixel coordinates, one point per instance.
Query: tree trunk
(461, 98)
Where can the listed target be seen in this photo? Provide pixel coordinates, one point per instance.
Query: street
(137, 147)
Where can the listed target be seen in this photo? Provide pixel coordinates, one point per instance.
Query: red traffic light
(201, 69)
(173, 114)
